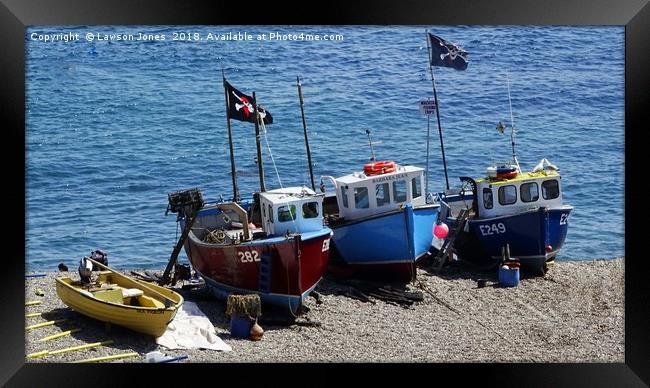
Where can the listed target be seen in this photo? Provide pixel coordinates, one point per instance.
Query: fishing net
(244, 305)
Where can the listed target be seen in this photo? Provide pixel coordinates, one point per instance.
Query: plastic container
(508, 277)
(240, 326)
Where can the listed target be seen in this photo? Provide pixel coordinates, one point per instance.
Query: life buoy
(503, 172)
(383, 167)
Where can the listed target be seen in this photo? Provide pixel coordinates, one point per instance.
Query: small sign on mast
(427, 107)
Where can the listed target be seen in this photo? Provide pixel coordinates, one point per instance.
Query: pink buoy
(440, 230)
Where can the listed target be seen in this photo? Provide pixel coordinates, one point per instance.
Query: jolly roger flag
(240, 106)
(447, 54)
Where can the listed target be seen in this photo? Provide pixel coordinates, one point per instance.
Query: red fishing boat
(275, 244)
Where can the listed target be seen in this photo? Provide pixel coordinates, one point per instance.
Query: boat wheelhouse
(381, 221)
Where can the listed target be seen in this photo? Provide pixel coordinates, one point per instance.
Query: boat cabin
(291, 210)
(361, 194)
(503, 196)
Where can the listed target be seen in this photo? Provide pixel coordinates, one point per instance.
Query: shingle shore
(573, 314)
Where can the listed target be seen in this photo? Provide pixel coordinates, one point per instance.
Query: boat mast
(304, 127)
(435, 96)
(512, 126)
(233, 172)
(260, 167)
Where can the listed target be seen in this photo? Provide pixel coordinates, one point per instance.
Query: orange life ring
(383, 167)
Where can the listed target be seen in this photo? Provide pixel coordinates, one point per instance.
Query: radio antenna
(372, 152)
(512, 125)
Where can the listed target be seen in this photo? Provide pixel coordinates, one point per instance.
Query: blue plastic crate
(508, 277)
(240, 327)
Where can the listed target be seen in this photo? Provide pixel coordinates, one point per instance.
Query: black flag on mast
(447, 54)
(240, 106)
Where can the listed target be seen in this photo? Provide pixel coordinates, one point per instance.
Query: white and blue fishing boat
(381, 220)
(523, 211)
(508, 210)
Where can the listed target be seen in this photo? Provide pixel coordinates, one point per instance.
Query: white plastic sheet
(191, 329)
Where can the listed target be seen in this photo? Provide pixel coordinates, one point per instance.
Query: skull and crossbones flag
(240, 106)
(447, 54)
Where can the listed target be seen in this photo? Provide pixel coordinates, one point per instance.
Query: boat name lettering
(248, 256)
(488, 230)
(150, 311)
(564, 219)
(389, 178)
(326, 245)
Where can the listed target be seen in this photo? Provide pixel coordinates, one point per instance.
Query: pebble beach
(575, 313)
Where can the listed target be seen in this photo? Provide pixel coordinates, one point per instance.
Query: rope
(268, 146)
(425, 288)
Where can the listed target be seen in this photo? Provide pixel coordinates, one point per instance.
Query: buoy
(256, 332)
(440, 230)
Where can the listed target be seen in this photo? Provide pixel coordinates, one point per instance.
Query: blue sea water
(114, 125)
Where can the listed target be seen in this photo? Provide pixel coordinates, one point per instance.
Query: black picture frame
(15, 15)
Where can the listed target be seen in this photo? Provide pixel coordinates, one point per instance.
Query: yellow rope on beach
(108, 358)
(33, 303)
(32, 315)
(55, 336)
(46, 353)
(48, 323)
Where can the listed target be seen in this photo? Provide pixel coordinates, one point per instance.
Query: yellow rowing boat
(121, 300)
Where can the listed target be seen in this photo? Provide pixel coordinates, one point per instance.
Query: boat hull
(528, 235)
(282, 270)
(386, 245)
(148, 320)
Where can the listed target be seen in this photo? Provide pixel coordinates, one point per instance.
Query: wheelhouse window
(550, 189)
(529, 192)
(487, 198)
(287, 213)
(344, 195)
(382, 193)
(270, 213)
(310, 210)
(416, 187)
(399, 191)
(361, 200)
(507, 195)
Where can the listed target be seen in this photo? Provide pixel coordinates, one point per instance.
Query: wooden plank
(33, 303)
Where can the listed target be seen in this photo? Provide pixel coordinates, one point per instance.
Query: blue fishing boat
(381, 220)
(522, 211)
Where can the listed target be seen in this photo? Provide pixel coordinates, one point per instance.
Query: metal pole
(304, 127)
(260, 167)
(426, 177)
(435, 96)
(233, 172)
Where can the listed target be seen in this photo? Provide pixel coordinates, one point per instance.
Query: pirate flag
(447, 54)
(240, 106)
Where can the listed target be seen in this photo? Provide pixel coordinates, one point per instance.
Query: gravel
(573, 314)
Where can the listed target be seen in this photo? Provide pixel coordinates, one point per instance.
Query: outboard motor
(85, 270)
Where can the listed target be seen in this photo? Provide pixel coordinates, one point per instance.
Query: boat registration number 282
(248, 256)
(488, 230)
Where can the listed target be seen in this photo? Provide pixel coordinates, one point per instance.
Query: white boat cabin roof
(357, 177)
(291, 210)
(288, 194)
(359, 195)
